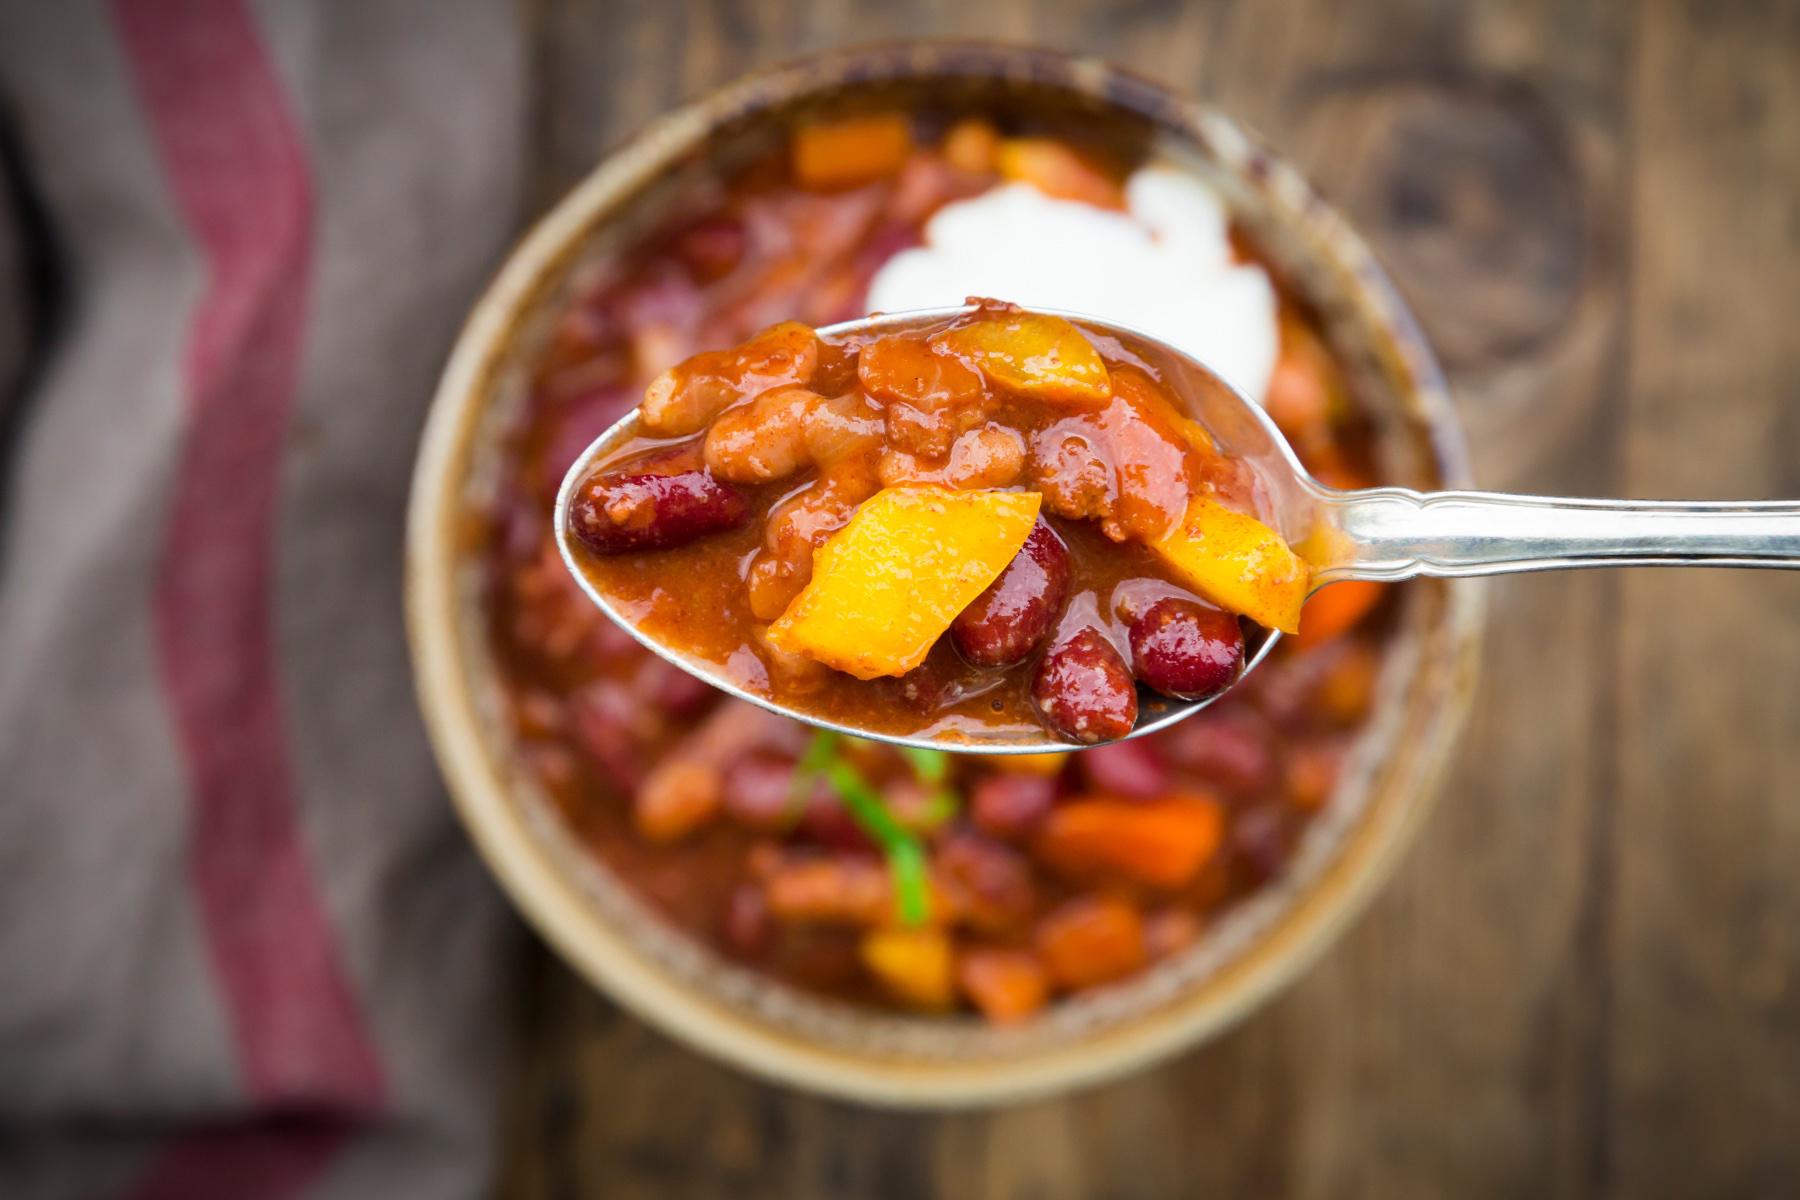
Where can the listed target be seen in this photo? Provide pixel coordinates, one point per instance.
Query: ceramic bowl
(683, 987)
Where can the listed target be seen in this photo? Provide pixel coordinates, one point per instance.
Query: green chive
(819, 751)
(933, 769)
(905, 853)
(932, 766)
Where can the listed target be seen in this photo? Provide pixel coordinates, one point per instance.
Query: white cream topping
(1164, 267)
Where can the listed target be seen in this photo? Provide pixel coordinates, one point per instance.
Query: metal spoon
(1379, 534)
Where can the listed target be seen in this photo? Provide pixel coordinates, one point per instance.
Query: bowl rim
(521, 858)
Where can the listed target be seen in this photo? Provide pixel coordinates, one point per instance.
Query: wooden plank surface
(1583, 981)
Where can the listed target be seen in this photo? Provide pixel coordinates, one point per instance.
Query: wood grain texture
(1583, 980)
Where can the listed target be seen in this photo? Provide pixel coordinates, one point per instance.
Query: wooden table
(1586, 977)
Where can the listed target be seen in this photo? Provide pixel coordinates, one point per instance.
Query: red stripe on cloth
(256, 1162)
(238, 172)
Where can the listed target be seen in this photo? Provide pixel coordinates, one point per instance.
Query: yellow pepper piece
(887, 585)
(1238, 563)
(1047, 763)
(915, 965)
(1033, 354)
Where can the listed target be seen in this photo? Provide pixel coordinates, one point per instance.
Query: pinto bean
(800, 524)
(843, 426)
(618, 514)
(1187, 650)
(1084, 689)
(677, 798)
(839, 889)
(1007, 621)
(989, 457)
(685, 397)
(765, 439)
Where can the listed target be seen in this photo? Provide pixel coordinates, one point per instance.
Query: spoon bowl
(1382, 534)
(1239, 426)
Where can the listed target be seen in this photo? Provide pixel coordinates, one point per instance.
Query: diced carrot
(1238, 563)
(1006, 985)
(1347, 688)
(832, 155)
(887, 585)
(1057, 169)
(1160, 842)
(1311, 773)
(1040, 356)
(1091, 940)
(1335, 609)
(914, 965)
(1302, 391)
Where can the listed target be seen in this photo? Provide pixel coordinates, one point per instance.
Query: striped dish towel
(243, 950)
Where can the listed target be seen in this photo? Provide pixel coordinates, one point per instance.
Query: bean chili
(1012, 882)
(1000, 477)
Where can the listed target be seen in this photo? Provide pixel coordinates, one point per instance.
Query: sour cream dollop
(1164, 267)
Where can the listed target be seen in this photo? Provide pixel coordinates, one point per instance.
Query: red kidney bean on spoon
(1187, 650)
(1084, 689)
(1007, 621)
(614, 514)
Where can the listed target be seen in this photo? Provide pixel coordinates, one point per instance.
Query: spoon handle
(1396, 533)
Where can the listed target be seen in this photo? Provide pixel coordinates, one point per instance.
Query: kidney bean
(1260, 842)
(1128, 769)
(988, 884)
(759, 794)
(1232, 748)
(746, 927)
(1187, 650)
(1011, 805)
(1084, 689)
(829, 823)
(618, 514)
(1007, 621)
(711, 247)
(604, 724)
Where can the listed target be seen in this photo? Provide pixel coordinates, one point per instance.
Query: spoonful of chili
(1004, 530)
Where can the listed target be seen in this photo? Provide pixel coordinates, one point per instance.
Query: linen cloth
(244, 949)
